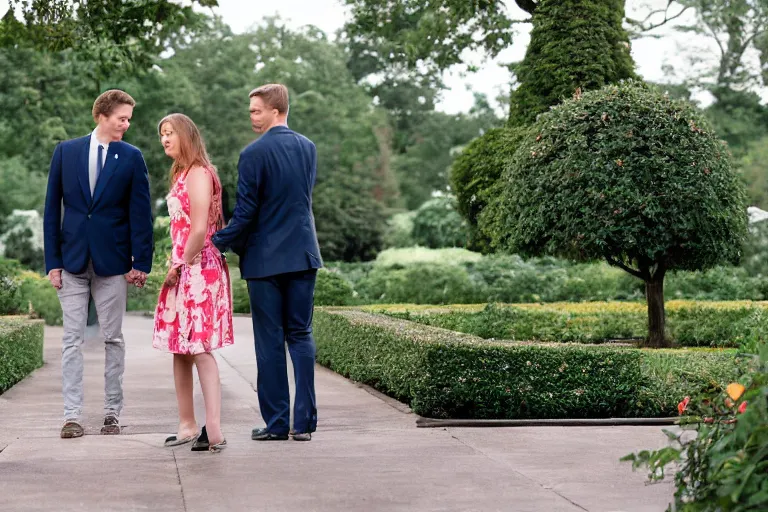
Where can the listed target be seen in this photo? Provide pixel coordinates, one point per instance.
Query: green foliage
(23, 190)
(10, 296)
(419, 283)
(19, 246)
(41, 298)
(430, 36)
(399, 232)
(755, 258)
(475, 172)
(723, 466)
(690, 324)
(628, 175)
(719, 283)
(423, 166)
(443, 374)
(116, 37)
(569, 52)
(437, 224)
(740, 119)
(407, 256)
(332, 290)
(21, 349)
(512, 279)
(754, 173)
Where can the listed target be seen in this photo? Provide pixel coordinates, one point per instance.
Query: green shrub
(37, 292)
(332, 290)
(21, 349)
(241, 302)
(399, 232)
(10, 296)
(420, 284)
(145, 299)
(445, 374)
(719, 283)
(474, 173)
(437, 224)
(413, 255)
(723, 466)
(690, 324)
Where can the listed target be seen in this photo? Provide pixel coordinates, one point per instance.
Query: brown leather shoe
(111, 425)
(71, 429)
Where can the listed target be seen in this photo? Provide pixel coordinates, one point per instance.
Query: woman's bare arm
(200, 191)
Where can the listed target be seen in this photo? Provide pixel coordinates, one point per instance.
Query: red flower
(742, 407)
(682, 406)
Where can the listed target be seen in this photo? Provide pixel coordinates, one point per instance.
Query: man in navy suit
(98, 238)
(273, 230)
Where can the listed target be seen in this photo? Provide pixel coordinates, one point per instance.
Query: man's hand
(136, 277)
(54, 276)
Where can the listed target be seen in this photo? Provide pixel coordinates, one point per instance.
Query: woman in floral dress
(194, 311)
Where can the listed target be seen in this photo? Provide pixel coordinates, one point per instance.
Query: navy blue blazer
(272, 227)
(114, 228)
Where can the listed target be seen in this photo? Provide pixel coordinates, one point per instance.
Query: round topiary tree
(630, 176)
(575, 44)
(474, 173)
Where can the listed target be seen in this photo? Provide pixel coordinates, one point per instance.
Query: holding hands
(136, 277)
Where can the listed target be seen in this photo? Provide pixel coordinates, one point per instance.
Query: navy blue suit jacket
(272, 227)
(114, 228)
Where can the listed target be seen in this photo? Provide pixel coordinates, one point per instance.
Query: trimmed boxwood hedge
(726, 324)
(445, 374)
(21, 349)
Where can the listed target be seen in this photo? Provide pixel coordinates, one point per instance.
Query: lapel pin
(115, 157)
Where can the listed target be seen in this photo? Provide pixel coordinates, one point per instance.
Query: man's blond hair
(108, 101)
(274, 96)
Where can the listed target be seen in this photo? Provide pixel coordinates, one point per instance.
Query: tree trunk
(654, 294)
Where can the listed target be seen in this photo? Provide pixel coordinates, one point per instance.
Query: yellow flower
(735, 390)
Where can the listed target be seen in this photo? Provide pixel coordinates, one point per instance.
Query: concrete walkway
(367, 455)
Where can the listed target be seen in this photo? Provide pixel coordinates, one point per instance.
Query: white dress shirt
(92, 155)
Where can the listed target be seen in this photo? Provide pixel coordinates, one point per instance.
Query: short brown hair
(106, 103)
(274, 95)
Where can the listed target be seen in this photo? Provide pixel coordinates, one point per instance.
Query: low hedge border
(689, 323)
(445, 374)
(21, 349)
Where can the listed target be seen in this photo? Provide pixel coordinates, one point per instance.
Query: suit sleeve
(140, 216)
(246, 204)
(52, 215)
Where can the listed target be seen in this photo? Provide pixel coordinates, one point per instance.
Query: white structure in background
(756, 214)
(20, 220)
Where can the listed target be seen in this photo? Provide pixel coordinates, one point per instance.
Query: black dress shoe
(262, 434)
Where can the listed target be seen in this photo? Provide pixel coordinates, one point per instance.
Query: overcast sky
(652, 55)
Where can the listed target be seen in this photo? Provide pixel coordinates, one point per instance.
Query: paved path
(366, 456)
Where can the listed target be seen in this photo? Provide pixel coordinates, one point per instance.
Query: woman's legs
(182, 376)
(208, 372)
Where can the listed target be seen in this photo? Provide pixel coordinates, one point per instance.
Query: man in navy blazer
(273, 230)
(98, 238)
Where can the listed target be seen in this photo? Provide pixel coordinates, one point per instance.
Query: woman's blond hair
(192, 153)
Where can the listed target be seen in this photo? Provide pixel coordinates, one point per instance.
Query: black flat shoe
(201, 444)
(261, 434)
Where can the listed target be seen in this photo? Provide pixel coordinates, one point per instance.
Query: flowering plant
(721, 450)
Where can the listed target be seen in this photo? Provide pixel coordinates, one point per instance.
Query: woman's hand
(172, 278)
(195, 260)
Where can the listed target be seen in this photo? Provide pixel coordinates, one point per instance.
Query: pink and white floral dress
(195, 316)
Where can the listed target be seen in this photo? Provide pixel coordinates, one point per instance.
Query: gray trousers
(109, 295)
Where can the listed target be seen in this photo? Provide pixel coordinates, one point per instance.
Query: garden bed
(446, 374)
(736, 324)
